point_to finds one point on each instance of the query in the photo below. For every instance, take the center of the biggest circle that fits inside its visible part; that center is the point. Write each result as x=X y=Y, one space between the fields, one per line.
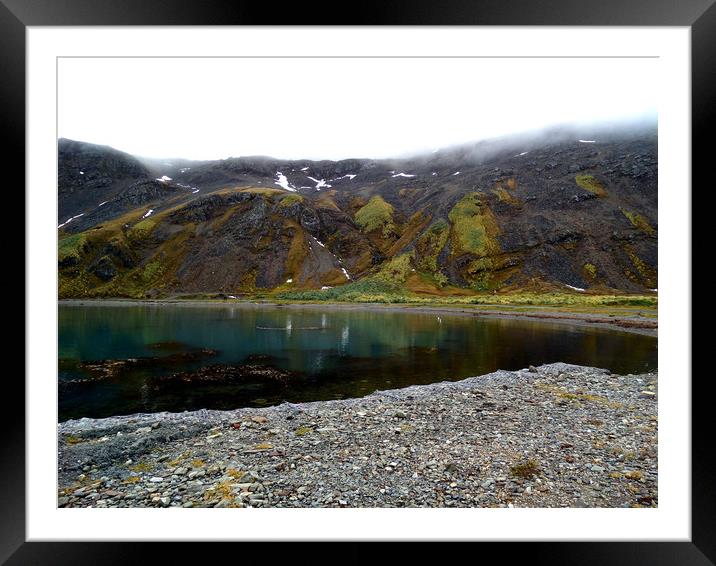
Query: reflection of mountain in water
x=276 y=354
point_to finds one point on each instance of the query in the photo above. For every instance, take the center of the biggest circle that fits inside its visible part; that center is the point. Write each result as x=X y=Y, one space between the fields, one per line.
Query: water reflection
x=345 y=336
x=336 y=353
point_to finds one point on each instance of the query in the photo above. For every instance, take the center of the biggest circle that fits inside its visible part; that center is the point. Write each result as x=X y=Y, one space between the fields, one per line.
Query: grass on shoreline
x=375 y=291
x=381 y=291
x=645 y=305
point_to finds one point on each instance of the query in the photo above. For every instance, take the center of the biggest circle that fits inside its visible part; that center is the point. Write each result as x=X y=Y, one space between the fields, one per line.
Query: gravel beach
x=554 y=436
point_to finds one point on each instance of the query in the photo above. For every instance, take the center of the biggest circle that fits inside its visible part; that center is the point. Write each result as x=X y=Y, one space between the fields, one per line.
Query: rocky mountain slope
x=563 y=210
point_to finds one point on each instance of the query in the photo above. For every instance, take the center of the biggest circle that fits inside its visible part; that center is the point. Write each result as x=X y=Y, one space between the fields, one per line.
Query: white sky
x=336 y=108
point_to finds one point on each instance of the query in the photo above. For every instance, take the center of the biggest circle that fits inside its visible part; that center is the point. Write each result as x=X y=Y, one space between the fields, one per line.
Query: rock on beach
x=557 y=435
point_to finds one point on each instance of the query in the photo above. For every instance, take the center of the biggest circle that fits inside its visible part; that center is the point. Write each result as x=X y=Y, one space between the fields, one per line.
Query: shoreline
x=558 y=435
x=636 y=324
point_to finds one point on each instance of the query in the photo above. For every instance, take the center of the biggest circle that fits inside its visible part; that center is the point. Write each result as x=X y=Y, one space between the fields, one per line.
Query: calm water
x=335 y=353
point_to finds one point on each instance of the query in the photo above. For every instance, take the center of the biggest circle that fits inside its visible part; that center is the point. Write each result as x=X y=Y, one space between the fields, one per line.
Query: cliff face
x=541 y=213
x=87 y=172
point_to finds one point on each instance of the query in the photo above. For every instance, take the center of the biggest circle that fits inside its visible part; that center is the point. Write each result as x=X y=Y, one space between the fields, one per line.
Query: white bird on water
x=440 y=320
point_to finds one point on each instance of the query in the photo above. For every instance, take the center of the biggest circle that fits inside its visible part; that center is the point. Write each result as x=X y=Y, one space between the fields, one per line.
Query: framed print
x=394 y=279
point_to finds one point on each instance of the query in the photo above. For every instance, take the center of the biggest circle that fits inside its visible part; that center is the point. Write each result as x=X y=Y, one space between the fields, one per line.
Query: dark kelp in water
x=98 y=370
x=223 y=373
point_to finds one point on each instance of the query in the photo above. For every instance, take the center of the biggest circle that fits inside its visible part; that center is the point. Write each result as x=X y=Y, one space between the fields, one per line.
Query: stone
x=449 y=456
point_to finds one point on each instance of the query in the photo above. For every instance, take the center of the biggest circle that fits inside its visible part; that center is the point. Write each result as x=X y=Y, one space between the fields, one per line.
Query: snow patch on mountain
x=69 y=220
x=320 y=183
x=282 y=181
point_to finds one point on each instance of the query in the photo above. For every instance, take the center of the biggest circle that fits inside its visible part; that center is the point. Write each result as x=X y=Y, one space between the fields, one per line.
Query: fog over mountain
x=325 y=108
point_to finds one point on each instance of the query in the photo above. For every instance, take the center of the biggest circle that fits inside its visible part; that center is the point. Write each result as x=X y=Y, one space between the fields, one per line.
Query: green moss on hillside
x=590 y=269
x=297 y=252
x=152 y=270
x=480 y=273
x=69 y=287
x=268 y=192
x=474 y=229
x=133 y=280
x=70 y=248
x=430 y=244
x=141 y=229
x=646 y=274
x=589 y=183
x=397 y=270
x=376 y=214
x=288 y=200
x=505 y=196
x=639 y=222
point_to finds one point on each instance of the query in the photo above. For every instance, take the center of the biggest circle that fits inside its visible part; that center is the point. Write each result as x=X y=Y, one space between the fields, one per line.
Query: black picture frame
x=17 y=15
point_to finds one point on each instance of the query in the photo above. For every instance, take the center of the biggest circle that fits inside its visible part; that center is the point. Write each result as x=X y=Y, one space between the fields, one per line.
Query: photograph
x=357 y=282
x=426 y=277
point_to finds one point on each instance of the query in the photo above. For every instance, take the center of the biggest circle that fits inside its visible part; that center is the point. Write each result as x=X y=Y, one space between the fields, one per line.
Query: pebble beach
x=557 y=435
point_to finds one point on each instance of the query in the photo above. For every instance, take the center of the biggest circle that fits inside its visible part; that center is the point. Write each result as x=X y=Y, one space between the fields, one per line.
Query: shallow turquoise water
x=335 y=353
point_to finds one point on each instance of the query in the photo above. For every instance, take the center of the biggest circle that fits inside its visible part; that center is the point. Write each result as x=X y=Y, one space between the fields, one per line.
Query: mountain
x=88 y=172
x=561 y=209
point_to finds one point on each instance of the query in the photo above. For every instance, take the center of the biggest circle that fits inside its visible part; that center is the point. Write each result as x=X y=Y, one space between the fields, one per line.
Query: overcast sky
x=336 y=108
